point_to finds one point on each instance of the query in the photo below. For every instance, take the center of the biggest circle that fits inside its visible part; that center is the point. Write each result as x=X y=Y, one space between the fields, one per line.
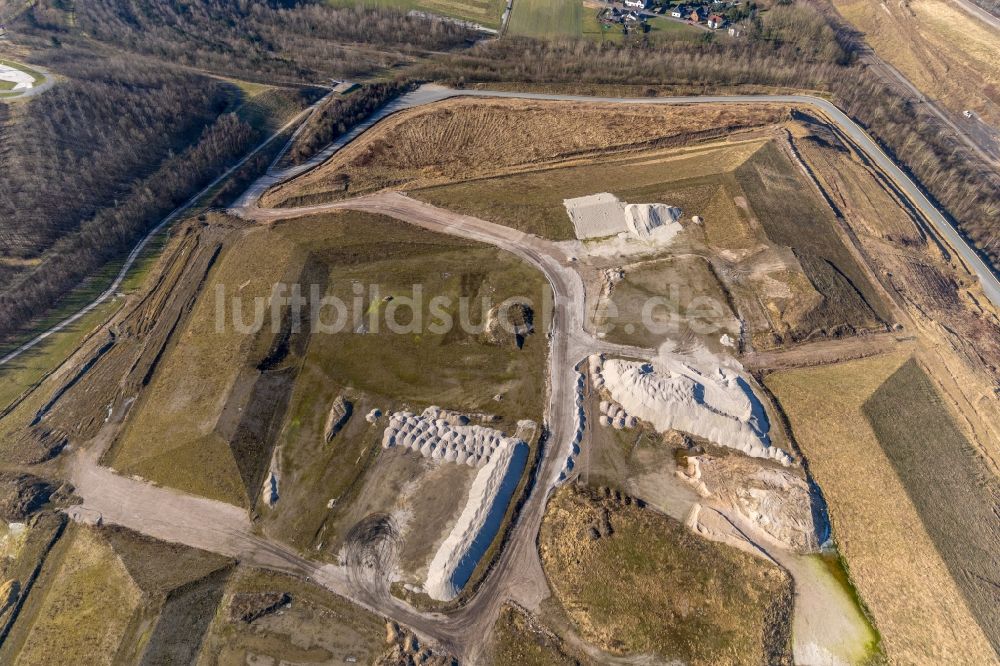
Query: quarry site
x=705 y=364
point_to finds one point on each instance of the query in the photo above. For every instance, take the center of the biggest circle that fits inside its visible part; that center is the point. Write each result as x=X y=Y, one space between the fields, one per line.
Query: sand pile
x=715 y=403
x=653 y=222
x=603 y=215
x=446 y=436
x=340 y=412
x=437 y=437
x=596 y=215
x=614 y=416
x=478 y=523
x=778 y=501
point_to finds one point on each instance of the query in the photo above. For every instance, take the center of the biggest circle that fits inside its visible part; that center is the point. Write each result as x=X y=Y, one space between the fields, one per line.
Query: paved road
x=47 y=82
x=431 y=93
x=173 y=516
x=977 y=136
x=991 y=285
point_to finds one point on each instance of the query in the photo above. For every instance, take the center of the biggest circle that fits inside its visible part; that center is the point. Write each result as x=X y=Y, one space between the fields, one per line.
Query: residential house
x=715 y=21
x=696 y=15
x=678 y=11
x=635 y=4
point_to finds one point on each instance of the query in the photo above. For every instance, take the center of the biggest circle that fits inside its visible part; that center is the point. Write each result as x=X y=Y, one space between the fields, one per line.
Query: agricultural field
x=859 y=439
x=647 y=585
x=546 y=18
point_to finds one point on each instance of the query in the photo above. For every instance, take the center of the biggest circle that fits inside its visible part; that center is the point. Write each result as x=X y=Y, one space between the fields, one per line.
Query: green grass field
x=546 y=18
x=484 y=12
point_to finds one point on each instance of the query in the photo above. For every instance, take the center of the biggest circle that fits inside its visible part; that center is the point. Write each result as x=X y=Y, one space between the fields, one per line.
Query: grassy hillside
x=635 y=582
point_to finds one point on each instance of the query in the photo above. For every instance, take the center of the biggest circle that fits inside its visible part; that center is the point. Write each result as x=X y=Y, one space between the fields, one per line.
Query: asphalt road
x=979 y=13
x=430 y=93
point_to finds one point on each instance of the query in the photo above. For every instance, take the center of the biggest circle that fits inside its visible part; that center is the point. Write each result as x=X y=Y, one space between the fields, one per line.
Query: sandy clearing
x=21 y=80
x=596 y=215
x=603 y=215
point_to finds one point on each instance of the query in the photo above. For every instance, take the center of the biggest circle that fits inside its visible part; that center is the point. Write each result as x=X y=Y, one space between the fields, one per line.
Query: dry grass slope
x=893 y=562
x=463 y=139
x=954 y=492
x=648 y=585
x=88 y=603
x=949 y=55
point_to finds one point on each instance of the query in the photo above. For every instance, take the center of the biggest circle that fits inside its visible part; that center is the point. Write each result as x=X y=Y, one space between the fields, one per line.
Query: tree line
x=301 y=41
x=336 y=115
x=90 y=165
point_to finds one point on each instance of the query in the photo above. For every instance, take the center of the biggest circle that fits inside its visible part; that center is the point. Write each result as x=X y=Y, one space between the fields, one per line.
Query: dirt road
x=432 y=93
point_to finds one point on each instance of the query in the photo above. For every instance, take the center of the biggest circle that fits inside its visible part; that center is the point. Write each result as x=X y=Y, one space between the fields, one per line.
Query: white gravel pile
x=614 y=416
x=603 y=215
x=435 y=437
x=478 y=523
x=714 y=403
x=596 y=215
x=657 y=223
x=446 y=436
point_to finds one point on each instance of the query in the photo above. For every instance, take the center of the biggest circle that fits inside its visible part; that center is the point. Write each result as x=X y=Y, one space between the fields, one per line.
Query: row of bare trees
x=94 y=162
x=338 y=114
x=303 y=40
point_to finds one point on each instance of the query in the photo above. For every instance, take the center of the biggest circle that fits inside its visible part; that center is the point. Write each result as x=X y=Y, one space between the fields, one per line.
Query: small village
x=634 y=15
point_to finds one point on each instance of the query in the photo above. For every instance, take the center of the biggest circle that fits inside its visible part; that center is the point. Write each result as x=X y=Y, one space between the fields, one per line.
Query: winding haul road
x=517 y=575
